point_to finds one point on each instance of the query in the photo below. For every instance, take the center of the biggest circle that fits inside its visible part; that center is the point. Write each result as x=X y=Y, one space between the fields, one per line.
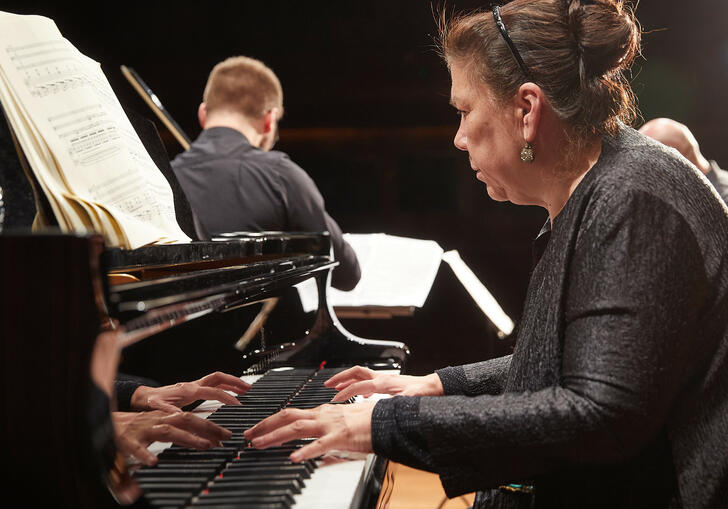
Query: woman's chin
x=496 y=193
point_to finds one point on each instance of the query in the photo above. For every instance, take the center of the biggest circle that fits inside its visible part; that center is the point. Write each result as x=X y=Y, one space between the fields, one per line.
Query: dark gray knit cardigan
x=616 y=395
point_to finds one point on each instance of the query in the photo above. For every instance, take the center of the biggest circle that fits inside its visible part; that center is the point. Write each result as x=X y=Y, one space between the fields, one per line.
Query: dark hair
x=576 y=50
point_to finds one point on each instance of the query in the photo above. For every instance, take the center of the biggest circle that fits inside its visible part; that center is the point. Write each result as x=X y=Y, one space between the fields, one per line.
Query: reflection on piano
x=235 y=472
x=59 y=289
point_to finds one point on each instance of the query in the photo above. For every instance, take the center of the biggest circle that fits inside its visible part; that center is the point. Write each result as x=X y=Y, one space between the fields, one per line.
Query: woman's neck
x=568 y=174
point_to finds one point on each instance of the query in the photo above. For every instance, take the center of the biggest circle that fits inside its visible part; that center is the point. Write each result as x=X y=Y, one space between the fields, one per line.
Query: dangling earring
x=527 y=154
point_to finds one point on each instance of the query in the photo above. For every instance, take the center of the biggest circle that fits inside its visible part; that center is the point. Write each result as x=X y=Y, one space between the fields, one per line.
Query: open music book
x=81 y=148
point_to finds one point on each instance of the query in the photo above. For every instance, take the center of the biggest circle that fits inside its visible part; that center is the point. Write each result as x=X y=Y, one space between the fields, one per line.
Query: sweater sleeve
x=487 y=377
x=125 y=385
x=624 y=356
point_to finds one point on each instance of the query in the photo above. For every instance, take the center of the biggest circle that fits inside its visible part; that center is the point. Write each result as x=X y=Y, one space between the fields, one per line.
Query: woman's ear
x=529 y=103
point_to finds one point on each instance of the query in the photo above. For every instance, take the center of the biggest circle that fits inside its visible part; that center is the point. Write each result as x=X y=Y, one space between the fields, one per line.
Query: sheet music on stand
x=397 y=276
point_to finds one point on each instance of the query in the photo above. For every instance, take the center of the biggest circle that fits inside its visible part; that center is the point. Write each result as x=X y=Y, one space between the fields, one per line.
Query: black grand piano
x=181 y=308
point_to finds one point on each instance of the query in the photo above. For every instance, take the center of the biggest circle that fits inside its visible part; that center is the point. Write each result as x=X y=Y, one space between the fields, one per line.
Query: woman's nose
x=461 y=141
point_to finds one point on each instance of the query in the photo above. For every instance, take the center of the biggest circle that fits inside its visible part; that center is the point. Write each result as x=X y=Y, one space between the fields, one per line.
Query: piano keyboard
x=236 y=475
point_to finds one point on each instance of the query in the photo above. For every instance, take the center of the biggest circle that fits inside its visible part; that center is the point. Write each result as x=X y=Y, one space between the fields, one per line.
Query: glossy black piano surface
x=183 y=306
x=66 y=278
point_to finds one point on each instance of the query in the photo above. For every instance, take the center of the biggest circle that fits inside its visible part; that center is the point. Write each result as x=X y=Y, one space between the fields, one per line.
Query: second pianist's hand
x=135 y=431
x=171 y=398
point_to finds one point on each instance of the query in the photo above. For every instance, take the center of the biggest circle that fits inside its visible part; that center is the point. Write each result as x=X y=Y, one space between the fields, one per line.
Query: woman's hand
x=365 y=382
x=337 y=427
x=171 y=398
x=136 y=430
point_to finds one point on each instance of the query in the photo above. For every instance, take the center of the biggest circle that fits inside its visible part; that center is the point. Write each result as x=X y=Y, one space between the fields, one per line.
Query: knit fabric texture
x=616 y=394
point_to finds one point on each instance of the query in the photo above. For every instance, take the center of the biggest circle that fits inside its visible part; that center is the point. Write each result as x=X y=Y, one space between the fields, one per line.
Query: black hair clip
x=502 y=27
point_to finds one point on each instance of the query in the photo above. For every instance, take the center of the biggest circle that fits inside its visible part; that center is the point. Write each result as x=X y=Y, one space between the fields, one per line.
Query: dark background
x=366 y=100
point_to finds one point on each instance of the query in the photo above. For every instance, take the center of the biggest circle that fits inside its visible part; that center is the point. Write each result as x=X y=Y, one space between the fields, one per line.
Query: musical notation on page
x=82 y=144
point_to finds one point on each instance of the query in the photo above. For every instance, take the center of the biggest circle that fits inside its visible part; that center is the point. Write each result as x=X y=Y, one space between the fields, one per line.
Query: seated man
x=232 y=179
x=678 y=136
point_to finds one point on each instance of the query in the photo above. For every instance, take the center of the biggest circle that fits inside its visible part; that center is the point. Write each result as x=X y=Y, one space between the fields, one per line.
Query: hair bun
x=606 y=34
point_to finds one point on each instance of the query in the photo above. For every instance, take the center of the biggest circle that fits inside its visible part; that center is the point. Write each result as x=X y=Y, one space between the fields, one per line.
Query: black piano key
x=224 y=486
x=191 y=454
x=250 y=453
x=246 y=495
x=172 y=472
x=241 y=470
x=233 y=442
x=168 y=497
x=167 y=503
x=175 y=462
x=176 y=480
x=192 y=488
x=241 y=484
x=233 y=504
x=243 y=463
x=233 y=477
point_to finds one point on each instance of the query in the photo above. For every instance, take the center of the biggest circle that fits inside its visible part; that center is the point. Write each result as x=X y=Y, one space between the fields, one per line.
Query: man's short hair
x=243 y=85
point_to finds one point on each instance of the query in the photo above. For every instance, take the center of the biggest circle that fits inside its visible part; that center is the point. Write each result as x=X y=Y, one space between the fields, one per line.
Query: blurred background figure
x=678 y=136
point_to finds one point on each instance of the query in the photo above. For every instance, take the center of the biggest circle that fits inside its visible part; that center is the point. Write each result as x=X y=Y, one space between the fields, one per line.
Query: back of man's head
x=243 y=85
x=676 y=135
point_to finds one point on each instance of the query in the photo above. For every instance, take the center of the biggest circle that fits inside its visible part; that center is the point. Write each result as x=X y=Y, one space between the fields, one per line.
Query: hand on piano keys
x=135 y=431
x=171 y=398
x=339 y=427
x=361 y=381
x=336 y=427
x=240 y=475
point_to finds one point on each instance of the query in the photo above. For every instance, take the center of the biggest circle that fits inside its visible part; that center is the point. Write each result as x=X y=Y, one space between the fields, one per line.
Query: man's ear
x=202 y=114
x=529 y=108
x=270 y=119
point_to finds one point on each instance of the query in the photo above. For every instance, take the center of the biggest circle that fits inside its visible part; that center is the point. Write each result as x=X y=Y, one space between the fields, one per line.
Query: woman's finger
x=201 y=427
x=314 y=449
x=231 y=388
x=302 y=428
x=365 y=388
x=275 y=421
x=140 y=452
x=219 y=378
x=216 y=394
x=159 y=404
x=355 y=374
x=166 y=432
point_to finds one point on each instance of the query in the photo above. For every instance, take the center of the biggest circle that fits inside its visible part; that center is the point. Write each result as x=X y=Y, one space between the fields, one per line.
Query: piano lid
x=225 y=250
x=170 y=284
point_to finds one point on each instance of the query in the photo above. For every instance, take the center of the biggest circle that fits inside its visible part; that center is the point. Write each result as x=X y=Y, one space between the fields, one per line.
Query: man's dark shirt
x=233 y=186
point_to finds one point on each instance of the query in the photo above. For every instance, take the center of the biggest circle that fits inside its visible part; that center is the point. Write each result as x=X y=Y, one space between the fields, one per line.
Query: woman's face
x=489 y=133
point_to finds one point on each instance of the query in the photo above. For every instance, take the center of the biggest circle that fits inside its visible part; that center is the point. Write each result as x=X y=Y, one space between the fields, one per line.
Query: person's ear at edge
x=202 y=114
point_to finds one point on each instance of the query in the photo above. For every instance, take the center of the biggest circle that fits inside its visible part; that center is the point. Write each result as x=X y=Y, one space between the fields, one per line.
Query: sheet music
x=395 y=271
x=92 y=155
